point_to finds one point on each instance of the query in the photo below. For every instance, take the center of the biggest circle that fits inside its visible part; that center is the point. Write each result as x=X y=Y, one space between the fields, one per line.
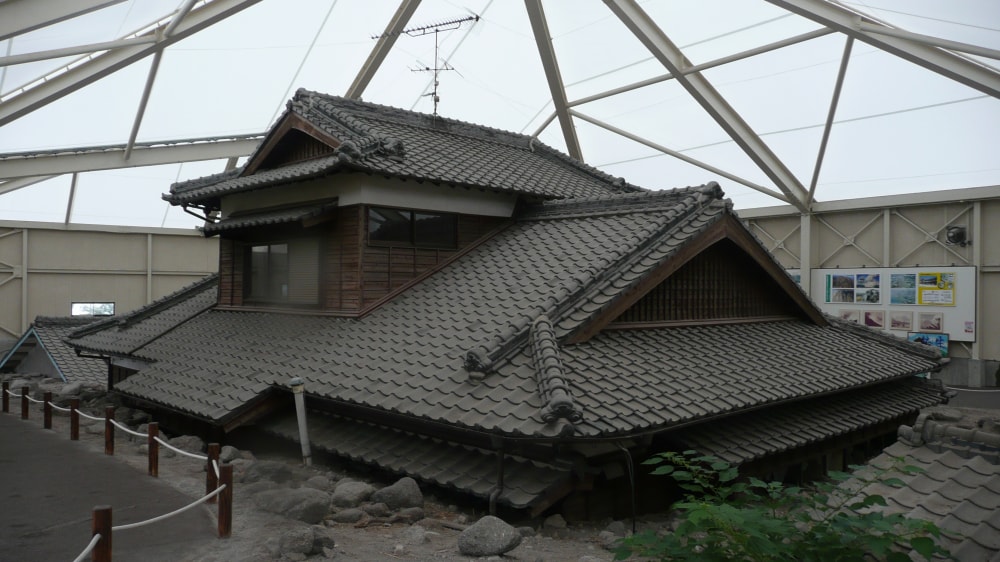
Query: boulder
x=302 y=504
x=349 y=515
x=351 y=493
x=322 y=540
x=409 y=514
x=274 y=471
x=490 y=536
x=376 y=509
x=71 y=389
x=296 y=541
x=228 y=453
x=554 y=522
x=318 y=482
x=404 y=493
x=188 y=444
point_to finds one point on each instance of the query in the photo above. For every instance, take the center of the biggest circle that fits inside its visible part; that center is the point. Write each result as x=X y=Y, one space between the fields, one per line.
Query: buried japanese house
x=481 y=312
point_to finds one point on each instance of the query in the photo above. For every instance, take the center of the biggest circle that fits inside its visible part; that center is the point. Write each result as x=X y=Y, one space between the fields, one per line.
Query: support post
x=101 y=525
x=211 y=480
x=47 y=410
x=152 y=431
x=74 y=419
x=24 y=402
x=109 y=431
x=6 y=397
x=298 y=390
x=226 y=501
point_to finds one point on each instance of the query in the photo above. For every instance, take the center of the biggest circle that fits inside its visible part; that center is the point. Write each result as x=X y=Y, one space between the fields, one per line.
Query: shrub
x=725 y=518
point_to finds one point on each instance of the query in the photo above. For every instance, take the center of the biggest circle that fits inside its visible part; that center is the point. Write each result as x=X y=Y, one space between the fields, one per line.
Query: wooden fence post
x=24 y=402
x=226 y=501
x=74 y=419
x=6 y=397
x=211 y=480
x=102 y=526
x=109 y=431
x=152 y=431
x=47 y=410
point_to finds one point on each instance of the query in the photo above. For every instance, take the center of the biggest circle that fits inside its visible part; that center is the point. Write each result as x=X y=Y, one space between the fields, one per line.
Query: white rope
x=90 y=547
x=32 y=399
x=127 y=430
x=172 y=513
x=54 y=407
x=89 y=417
x=215 y=466
x=178 y=451
x=10 y=393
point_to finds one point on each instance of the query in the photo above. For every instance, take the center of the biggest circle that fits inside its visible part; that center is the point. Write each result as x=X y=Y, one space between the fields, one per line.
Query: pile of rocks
x=316 y=502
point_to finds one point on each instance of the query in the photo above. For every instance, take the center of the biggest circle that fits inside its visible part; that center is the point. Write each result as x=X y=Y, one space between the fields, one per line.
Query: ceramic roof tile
x=392 y=142
x=465 y=468
x=805 y=422
x=962 y=496
x=48 y=332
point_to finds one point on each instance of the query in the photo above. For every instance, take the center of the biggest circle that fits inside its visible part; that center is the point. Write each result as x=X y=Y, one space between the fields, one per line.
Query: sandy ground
x=255 y=533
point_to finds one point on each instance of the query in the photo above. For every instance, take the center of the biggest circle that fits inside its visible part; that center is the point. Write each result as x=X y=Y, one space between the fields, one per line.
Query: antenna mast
x=439 y=65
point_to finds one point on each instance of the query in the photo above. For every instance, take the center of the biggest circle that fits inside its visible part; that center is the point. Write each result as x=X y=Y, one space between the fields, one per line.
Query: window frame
x=91 y=304
x=412 y=241
x=287 y=300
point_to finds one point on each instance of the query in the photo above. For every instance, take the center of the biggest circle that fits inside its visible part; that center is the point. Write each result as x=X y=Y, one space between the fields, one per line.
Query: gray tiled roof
x=49 y=332
x=277 y=216
x=809 y=421
x=960 y=494
x=124 y=335
x=449 y=465
x=407 y=357
x=393 y=142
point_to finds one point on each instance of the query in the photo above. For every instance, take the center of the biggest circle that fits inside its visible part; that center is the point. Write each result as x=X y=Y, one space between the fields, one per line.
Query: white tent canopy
x=104 y=103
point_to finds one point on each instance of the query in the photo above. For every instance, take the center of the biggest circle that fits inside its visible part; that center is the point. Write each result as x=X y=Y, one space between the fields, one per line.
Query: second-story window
x=286 y=272
x=412 y=228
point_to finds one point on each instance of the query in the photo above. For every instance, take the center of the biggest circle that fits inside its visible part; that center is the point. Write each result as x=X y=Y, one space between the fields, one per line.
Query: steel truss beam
x=671 y=57
x=945 y=63
x=382 y=48
x=109 y=158
x=543 y=39
x=21 y=16
x=57 y=86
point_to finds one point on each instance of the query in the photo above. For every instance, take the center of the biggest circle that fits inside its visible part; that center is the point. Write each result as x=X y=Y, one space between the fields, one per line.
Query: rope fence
x=218 y=479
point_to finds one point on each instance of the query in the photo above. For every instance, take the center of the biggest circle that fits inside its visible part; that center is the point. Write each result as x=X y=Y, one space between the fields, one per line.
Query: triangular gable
x=293 y=139
x=701 y=253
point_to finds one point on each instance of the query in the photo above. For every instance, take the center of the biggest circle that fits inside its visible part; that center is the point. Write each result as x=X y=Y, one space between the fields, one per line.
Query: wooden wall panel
x=722 y=283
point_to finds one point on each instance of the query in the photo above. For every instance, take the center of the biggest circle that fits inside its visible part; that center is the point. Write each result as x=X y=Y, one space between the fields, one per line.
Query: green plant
x=724 y=518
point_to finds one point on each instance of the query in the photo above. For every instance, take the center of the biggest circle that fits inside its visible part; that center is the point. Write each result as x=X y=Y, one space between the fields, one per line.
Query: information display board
x=928 y=304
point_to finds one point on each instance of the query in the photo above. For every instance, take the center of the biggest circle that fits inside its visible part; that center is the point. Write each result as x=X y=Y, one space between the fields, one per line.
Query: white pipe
x=298 y=387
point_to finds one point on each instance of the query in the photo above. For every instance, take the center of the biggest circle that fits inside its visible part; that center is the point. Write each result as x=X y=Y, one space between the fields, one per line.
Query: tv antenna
x=439 y=65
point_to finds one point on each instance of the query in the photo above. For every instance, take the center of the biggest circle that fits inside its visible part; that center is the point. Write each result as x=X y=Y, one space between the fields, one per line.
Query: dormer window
x=403 y=227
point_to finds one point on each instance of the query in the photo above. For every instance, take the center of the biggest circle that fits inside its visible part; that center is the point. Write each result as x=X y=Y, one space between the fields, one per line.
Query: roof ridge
x=81 y=320
x=550 y=375
x=484 y=358
x=617 y=203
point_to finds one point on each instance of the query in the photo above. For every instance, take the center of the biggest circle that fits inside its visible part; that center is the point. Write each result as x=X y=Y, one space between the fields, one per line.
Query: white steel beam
x=72 y=198
x=671 y=57
x=707 y=65
x=15 y=184
x=831 y=114
x=954 y=66
x=57 y=85
x=74 y=50
x=382 y=48
x=931 y=40
x=109 y=158
x=22 y=16
x=154 y=67
x=679 y=155
x=543 y=39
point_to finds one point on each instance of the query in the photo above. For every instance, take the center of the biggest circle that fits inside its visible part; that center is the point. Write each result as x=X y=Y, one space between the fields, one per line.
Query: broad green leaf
x=923 y=545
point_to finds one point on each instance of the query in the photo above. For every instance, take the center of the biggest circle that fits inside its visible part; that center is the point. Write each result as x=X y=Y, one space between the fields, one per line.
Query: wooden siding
x=721 y=283
x=353 y=274
x=296 y=146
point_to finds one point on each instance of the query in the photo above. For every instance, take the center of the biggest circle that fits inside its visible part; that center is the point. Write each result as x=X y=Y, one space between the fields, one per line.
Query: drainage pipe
x=298 y=388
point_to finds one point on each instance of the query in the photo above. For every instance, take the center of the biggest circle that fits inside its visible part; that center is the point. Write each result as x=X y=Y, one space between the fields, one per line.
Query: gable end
x=770 y=279
x=293 y=140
